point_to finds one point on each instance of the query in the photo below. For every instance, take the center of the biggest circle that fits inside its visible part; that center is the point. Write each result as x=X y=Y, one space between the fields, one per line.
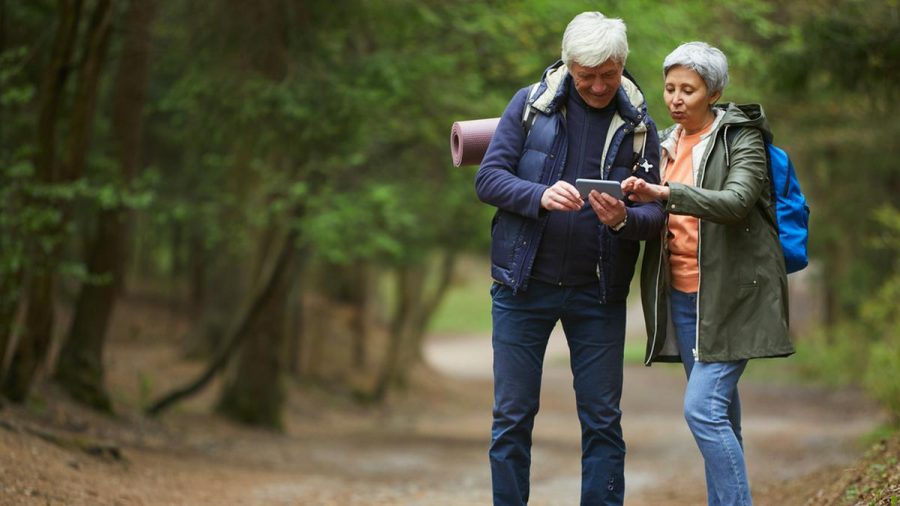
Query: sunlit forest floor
x=425 y=447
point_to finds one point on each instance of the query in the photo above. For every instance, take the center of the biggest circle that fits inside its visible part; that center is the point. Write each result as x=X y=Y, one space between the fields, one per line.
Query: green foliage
x=372 y=223
x=881 y=314
x=18 y=218
x=837 y=68
x=864 y=351
x=833 y=356
x=875 y=478
x=357 y=112
x=14 y=92
x=882 y=378
x=852 y=46
x=33 y=213
x=828 y=75
x=333 y=118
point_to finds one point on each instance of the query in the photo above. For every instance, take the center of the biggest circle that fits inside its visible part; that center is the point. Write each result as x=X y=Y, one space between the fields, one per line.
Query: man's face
x=597 y=85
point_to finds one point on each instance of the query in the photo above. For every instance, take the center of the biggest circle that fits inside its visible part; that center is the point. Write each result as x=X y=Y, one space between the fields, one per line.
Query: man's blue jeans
x=596 y=335
x=712 y=409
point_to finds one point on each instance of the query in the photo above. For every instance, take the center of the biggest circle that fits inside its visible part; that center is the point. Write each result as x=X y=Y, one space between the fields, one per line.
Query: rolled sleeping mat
x=469 y=140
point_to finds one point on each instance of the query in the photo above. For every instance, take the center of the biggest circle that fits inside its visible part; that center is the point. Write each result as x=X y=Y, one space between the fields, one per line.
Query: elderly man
x=555 y=258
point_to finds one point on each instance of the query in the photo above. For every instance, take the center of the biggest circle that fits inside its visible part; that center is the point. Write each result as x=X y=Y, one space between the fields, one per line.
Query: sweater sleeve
x=497 y=182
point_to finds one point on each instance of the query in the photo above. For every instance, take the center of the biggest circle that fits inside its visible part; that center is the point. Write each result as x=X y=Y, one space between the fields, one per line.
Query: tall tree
x=267 y=167
x=16 y=137
x=254 y=391
x=80 y=367
x=414 y=307
x=32 y=348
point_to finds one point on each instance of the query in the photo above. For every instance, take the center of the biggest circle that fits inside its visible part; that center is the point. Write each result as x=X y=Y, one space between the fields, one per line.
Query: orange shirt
x=683 y=230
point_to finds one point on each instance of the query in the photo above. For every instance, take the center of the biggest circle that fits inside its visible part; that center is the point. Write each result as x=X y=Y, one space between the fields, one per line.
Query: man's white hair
x=592 y=38
x=709 y=62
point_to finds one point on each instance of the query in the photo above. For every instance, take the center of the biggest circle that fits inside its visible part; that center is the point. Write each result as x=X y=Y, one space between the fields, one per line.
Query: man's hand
x=562 y=196
x=611 y=211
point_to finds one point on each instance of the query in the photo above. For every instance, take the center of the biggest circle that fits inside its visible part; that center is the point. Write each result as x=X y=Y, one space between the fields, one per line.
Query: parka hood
x=728 y=115
x=742 y=115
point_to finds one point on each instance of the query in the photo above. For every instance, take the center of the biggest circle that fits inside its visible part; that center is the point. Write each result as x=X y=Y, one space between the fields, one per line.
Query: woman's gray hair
x=592 y=38
x=709 y=62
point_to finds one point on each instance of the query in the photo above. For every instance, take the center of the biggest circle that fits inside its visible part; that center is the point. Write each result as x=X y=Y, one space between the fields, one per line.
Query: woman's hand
x=639 y=190
x=562 y=196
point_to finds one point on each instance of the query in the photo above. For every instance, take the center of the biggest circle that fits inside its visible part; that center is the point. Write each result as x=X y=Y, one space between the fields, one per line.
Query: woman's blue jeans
x=712 y=409
x=596 y=336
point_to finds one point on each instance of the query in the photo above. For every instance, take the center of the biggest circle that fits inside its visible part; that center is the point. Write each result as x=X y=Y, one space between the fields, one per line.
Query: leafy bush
x=865 y=351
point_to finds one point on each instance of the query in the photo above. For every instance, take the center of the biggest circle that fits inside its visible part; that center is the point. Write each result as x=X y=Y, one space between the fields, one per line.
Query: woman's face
x=688 y=99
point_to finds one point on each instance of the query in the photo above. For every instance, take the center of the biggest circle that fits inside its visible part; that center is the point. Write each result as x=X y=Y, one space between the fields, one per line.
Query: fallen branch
x=237 y=335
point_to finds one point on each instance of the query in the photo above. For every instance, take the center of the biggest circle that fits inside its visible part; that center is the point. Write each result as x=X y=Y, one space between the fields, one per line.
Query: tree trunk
x=197 y=264
x=9 y=305
x=253 y=392
x=52 y=87
x=80 y=367
x=347 y=286
x=414 y=310
x=96 y=43
x=430 y=305
x=39 y=318
x=296 y=319
x=360 y=300
x=40 y=282
x=224 y=294
x=239 y=331
x=410 y=282
x=35 y=340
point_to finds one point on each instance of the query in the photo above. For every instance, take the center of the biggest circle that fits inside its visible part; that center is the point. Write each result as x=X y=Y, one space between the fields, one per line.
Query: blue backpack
x=791 y=210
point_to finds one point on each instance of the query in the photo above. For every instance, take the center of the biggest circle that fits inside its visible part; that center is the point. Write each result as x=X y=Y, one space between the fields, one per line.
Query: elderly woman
x=717 y=272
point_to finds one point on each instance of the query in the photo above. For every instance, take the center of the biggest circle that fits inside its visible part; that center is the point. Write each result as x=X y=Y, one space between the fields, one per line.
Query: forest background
x=278 y=172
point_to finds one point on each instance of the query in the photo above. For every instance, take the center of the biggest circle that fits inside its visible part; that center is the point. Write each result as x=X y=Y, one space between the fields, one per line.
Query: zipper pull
x=696 y=355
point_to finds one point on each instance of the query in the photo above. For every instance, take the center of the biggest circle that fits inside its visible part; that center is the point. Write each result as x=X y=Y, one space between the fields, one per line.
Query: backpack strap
x=639 y=146
x=730 y=133
x=729 y=140
x=529 y=113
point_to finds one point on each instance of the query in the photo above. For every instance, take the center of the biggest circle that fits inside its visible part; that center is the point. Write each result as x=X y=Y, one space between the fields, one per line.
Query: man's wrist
x=621 y=224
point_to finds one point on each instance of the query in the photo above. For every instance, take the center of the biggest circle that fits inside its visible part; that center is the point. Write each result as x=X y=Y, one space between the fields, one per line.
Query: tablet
x=613 y=188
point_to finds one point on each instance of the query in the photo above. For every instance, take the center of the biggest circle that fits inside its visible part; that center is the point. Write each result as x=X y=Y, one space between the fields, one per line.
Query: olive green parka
x=742 y=303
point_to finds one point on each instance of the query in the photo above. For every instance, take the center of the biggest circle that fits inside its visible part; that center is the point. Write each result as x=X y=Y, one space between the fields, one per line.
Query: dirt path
x=424 y=450
x=789 y=430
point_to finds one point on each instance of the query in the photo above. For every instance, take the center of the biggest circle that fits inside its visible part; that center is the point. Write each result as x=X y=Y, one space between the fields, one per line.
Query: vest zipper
x=531 y=250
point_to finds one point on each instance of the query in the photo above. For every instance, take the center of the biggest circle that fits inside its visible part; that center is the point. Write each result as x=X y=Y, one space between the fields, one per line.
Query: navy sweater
x=569 y=247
